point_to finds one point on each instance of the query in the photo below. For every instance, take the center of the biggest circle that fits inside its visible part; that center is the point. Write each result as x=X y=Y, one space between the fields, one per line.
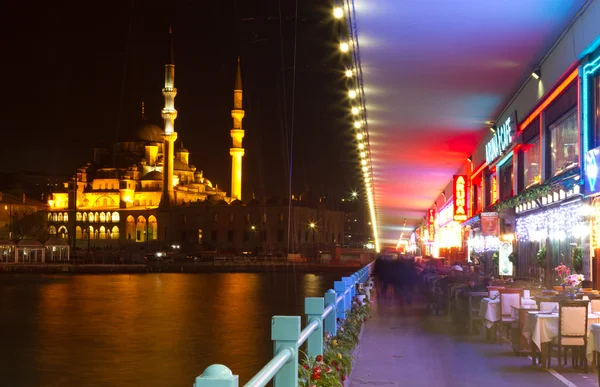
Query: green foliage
x=332 y=368
x=577 y=260
x=528 y=195
x=514 y=258
x=541 y=257
x=496 y=259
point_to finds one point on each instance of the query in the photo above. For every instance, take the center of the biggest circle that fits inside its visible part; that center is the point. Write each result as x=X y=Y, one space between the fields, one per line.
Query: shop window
x=506 y=180
x=531 y=163
x=564 y=144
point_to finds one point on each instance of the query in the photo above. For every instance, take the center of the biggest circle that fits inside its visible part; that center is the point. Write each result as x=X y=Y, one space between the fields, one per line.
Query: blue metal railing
x=321 y=316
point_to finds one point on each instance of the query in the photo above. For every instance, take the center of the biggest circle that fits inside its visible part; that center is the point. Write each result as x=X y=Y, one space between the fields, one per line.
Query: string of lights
x=348 y=46
x=557 y=223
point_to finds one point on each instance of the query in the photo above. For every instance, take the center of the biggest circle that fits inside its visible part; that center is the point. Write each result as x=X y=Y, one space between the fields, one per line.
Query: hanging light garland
x=558 y=223
x=343 y=11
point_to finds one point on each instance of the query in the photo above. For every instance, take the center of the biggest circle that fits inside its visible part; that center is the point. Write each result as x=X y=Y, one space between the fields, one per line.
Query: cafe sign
x=431 y=224
x=504 y=137
x=460 y=197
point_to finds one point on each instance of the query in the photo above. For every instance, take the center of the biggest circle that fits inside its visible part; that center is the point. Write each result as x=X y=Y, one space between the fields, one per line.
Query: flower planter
x=355 y=355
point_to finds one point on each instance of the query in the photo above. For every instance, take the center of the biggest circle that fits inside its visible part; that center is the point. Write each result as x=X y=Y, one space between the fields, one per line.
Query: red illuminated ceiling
x=434 y=72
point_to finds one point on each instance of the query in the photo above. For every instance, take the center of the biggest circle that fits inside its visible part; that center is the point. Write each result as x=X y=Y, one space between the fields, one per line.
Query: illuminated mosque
x=126 y=191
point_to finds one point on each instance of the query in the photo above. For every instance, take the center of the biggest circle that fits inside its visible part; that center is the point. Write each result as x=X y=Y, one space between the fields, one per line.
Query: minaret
x=237 y=134
x=169 y=114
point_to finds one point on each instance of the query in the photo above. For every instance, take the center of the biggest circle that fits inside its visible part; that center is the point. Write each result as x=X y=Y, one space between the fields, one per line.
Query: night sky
x=76 y=74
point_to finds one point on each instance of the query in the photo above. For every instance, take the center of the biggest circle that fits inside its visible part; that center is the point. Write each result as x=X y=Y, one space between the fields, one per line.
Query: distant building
x=21 y=217
x=260 y=227
x=143 y=192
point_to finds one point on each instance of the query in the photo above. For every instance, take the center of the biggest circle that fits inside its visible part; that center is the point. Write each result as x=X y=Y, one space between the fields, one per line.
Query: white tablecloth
x=542 y=328
x=593 y=341
x=489 y=310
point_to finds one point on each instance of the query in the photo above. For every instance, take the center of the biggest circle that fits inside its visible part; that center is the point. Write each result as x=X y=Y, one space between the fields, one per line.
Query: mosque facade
x=144 y=193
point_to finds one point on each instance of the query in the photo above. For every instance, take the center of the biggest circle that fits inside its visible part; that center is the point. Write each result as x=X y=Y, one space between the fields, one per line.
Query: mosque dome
x=149 y=132
x=154 y=175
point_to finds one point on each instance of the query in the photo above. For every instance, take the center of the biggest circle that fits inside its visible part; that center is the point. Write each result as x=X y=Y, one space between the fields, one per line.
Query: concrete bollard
x=217 y=375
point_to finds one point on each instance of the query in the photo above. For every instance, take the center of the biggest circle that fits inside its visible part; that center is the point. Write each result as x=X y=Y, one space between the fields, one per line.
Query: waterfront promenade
x=405 y=345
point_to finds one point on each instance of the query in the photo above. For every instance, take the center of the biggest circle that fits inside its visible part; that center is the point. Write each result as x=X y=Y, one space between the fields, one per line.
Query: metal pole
x=147 y=221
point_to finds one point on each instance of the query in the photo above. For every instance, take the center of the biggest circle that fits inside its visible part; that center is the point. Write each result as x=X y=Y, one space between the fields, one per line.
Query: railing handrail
x=307 y=331
x=288 y=337
x=269 y=371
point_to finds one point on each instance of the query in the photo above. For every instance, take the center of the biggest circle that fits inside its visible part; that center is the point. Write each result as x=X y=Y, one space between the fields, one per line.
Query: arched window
x=96 y=217
x=66 y=216
x=199 y=235
x=102 y=217
x=52 y=230
x=115 y=217
x=62 y=232
x=152 y=229
x=115 y=233
x=78 y=234
x=130 y=228
x=49 y=217
x=140 y=229
x=78 y=217
x=55 y=217
x=91 y=217
x=60 y=217
x=102 y=232
x=91 y=234
x=85 y=217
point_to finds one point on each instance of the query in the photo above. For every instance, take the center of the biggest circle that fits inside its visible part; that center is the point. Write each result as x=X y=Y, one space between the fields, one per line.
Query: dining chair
x=509 y=297
x=572 y=331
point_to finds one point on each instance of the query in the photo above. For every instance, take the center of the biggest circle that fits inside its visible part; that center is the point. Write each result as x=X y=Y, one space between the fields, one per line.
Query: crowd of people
x=396 y=276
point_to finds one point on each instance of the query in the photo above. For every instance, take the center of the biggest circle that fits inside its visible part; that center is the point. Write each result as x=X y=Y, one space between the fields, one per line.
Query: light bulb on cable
x=355 y=111
x=357 y=124
x=361 y=146
x=352 y=94
x=349 y=73
x=359 y=136
x=363 y=155
x=344 y=46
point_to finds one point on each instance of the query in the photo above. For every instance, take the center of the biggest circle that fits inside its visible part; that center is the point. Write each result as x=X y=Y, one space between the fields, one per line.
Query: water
x=142 y=330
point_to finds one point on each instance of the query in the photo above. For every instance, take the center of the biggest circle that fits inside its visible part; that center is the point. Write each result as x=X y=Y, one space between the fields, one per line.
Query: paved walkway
x=405 y=346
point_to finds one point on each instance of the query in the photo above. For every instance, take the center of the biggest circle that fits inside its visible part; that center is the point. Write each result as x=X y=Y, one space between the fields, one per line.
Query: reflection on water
x=151 y=330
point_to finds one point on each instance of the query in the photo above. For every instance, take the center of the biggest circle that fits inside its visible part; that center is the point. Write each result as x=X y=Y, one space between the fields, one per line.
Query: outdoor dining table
x=489 y=311
x=542 y=327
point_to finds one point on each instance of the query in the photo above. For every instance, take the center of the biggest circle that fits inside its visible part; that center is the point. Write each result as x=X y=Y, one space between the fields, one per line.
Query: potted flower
x=573 y=283
x=563 y=272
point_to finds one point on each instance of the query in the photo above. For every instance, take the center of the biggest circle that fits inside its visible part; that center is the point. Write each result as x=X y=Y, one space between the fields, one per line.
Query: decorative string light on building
x=481 y=244
x=349 y=47
x=556 y=223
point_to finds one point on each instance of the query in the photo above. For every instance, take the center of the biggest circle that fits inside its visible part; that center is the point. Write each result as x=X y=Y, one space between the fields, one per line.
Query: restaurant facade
x=532 y=187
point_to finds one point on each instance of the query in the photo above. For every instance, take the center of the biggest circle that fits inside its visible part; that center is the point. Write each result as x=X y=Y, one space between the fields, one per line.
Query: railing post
x=285 y=332
x=330 y=322
x=217 y=375
x=349 y=295
x=340 y=289
x=314 y=308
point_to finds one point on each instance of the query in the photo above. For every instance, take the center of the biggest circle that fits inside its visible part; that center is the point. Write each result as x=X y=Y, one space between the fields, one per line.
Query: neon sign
x=431 y=224
x=592 y=160
x=501 y=140
x=460 y=198
x=494 y=189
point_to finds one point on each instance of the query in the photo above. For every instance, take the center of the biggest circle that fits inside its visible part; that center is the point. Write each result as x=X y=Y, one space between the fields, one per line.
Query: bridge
x=477 y=130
